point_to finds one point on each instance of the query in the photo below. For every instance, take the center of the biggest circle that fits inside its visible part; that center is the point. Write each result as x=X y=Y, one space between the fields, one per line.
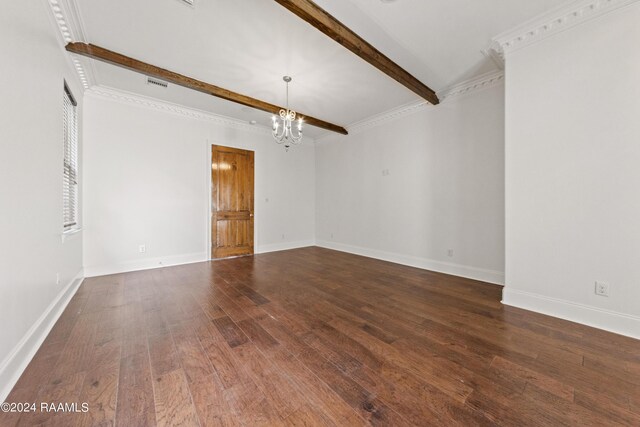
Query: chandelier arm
x=279 y=138
x=297 y=136
x=296 y=139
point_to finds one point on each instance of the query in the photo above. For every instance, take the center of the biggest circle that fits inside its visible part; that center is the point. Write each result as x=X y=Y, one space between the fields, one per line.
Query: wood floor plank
x=258 y=336
x=193 y=358
x=173 y=403
x=24 y=394
x=231 y=309
x=309 y=416
x=280 y=392
x=361 y=400
x=210 y=403
x=163 y=354
x=100 y=393
x=317 y=392
x=65 y=389
x=230 y=331
x=261 y=414
x=542 y=381
x=563 y=412
x=39 y=370
x=608 y=409
x=634 y=401
x=243 y=396
x=135 y=392
x=222 y=360
x=378 y=333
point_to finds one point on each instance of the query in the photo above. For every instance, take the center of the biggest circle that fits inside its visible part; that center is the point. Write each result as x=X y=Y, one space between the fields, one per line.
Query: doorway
x=232 y=187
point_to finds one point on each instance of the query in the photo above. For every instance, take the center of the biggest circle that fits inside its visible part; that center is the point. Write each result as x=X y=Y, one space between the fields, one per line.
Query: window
x=70 y=162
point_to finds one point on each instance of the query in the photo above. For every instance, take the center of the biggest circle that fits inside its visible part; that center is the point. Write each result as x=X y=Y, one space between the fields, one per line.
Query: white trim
x=484 y=275
x=75 y=19
x=66 y=32
x=494 y=56
x=387 y=116
x=118 y=95
x=173 y=260
x=209 y=196
x=619 y=323
x=17 y=361
x=475 y=84
x=275 y=247
x=466 y=87
x=560 y=19
x=145 y=264
x=67 y=18
x=67 y=234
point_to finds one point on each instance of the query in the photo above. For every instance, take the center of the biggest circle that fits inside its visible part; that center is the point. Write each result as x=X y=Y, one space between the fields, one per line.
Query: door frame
x=209 y=143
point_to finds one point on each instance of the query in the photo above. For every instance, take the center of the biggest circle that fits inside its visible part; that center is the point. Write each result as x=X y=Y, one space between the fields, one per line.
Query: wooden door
x=232 y=202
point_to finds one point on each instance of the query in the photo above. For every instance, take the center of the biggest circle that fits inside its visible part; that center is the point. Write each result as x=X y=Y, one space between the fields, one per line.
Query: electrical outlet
x=385 y=172
x=450 y=253
x=142 y=249
x=602 y=289
x=57 y=278
x=332 y=235
x=283 y=237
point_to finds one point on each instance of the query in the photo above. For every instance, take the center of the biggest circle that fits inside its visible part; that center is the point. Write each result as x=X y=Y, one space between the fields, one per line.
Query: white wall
x=147 y=177
x=444 y=190
x=573 y=173
x=31 y=249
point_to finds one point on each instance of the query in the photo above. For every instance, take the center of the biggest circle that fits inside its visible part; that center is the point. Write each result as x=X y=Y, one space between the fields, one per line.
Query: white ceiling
x=248 y=45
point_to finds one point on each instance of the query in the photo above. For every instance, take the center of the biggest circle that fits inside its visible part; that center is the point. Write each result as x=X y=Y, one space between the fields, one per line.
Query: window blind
x=70 y=162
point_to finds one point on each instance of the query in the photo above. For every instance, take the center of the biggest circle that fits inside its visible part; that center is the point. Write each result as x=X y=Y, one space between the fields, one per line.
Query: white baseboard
x=262 y=249
x=16 y=362
x=172 y=260
x=144 y=264
x=619 y=323
x=475 y=273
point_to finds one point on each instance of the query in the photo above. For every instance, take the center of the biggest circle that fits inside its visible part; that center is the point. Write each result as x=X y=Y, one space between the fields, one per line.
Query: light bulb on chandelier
x=282 y=127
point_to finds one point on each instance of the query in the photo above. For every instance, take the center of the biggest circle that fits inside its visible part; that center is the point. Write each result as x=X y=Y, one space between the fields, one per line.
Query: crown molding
x=494 y=56
x=466 y=87
x=112 y=94
x=70 y=28
x=387 y=116
x=472 y=85
x=58 y=10
x=560 y=19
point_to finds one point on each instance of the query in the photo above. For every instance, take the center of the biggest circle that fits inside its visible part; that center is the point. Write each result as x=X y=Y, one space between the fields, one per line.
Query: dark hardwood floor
x=317 y=337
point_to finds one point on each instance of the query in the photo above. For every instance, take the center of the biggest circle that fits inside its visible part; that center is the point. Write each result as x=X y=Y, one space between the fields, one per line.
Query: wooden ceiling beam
x=105 y=55
x=326 y=23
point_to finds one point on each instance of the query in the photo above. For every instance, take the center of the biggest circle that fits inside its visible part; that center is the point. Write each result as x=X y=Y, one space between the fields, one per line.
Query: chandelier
x=282 y=130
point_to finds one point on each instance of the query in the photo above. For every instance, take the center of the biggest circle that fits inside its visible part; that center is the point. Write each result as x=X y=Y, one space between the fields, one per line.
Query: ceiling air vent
x=154 y=82
x=189 y=2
